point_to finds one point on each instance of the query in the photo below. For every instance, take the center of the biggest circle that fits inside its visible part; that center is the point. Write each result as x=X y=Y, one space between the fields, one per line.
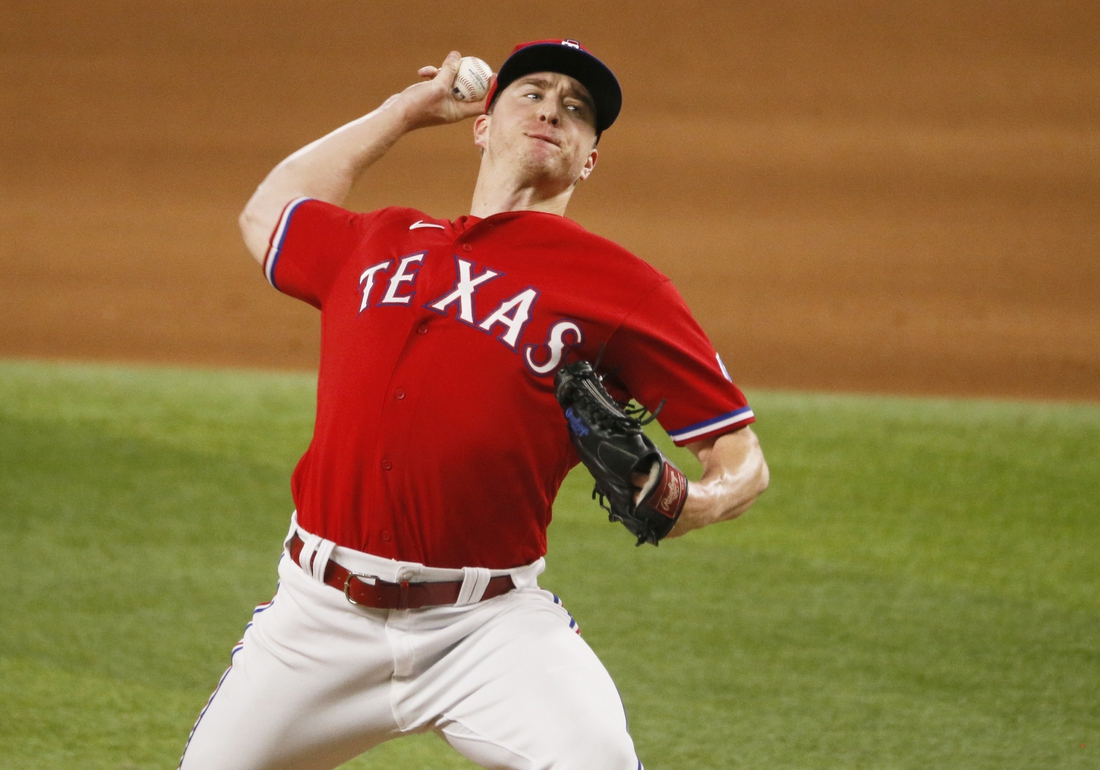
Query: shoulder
x=614 y=251
x=575 y=244
x=390 y=215
x=396 y=218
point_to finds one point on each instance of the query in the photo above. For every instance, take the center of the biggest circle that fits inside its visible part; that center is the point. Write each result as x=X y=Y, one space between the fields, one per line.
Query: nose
x=548 y=112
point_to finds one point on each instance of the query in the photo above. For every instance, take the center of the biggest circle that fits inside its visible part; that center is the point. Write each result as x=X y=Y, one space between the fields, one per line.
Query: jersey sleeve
x=660 y=353
x=309 y=246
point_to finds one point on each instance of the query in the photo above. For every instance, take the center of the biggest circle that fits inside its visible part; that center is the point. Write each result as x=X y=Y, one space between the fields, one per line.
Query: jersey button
x=422 y=329
x=387 y=465
x=386 y=536
x=467 y=248
x=399 y=394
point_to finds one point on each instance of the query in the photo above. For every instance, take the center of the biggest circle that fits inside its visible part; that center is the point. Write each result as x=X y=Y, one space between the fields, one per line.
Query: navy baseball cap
x=569 y=58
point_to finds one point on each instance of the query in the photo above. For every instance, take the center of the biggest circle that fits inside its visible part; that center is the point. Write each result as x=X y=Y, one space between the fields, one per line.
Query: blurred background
x=857 y=196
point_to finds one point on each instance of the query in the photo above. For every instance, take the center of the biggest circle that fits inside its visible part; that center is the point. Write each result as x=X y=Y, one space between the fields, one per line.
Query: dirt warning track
x=891 y=197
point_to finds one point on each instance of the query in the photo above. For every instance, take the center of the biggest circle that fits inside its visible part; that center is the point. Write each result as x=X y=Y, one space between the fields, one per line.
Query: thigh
x=529 y=693
x=308 y=686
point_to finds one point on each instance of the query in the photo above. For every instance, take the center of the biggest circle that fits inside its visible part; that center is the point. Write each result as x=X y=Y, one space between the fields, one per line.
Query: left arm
x=734 y=475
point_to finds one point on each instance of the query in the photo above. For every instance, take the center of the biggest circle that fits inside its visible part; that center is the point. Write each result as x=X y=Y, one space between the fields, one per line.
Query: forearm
x=734 y=475
x=325 y=169
x=328 y=168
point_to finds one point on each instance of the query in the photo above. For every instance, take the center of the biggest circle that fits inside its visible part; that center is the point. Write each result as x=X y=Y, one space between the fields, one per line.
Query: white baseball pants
x=317 y=681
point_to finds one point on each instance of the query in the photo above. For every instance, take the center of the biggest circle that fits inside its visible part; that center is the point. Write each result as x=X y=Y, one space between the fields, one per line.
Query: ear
x=589 y=164
x=481 y=130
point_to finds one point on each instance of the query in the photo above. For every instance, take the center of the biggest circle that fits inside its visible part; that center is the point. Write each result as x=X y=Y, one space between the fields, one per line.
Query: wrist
x=398 y=110
x=697 y=511
x=666 y=490
x=420 y=106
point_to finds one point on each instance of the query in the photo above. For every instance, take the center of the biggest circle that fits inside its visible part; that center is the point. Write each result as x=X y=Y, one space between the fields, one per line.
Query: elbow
x=245 y=220
x=758 y=476
x=254 y=230
x=763 y=474
x=763 y=477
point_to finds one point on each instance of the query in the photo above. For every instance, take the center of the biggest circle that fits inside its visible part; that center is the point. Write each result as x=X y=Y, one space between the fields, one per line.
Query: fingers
x=449 y=64
x=432 y=102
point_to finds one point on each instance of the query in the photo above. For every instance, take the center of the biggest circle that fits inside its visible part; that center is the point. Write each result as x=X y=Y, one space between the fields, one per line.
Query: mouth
x=544 y=138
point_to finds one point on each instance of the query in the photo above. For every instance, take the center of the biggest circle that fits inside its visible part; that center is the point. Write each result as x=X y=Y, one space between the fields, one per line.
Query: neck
x=493 y=195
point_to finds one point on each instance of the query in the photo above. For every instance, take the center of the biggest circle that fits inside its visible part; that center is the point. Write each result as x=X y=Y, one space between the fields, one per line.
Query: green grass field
x=920 y=588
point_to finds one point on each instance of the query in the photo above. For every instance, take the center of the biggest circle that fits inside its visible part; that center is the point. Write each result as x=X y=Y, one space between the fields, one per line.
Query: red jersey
x=438 y=438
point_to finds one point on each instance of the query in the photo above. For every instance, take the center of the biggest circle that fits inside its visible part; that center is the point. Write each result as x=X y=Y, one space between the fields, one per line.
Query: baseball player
x=408 y=596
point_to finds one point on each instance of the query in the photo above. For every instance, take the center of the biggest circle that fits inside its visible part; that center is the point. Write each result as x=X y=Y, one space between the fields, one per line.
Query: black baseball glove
x=609 y=439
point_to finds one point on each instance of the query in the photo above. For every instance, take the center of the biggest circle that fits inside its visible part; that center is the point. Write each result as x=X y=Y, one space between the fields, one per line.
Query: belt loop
x=474 y=582
x=320 y=560
x=309 y=547
x=403 y=595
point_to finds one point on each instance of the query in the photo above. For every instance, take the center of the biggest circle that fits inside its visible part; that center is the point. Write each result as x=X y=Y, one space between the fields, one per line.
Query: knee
x=599 y=750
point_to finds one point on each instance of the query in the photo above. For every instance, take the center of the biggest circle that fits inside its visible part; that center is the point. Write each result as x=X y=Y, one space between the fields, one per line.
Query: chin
x=551 y=170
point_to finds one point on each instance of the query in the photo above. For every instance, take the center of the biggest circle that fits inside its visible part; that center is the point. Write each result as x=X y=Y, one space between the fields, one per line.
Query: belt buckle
x=403 y=588
x=362 y=577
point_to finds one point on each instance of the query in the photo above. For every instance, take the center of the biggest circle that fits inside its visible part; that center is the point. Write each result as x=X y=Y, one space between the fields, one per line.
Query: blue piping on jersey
x=277 y=241
x=722 y=421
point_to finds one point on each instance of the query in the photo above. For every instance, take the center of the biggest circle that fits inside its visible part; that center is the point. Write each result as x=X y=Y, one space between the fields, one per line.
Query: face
x=543 y=126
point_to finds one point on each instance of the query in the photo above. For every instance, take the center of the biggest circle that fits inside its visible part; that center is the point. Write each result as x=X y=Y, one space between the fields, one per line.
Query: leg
x=308 y=687
x=525 y=692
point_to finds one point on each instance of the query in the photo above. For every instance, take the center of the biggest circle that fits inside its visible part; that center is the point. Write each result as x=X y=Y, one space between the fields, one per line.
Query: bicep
x=661 y=355
x=727 y=453
x=311 y=243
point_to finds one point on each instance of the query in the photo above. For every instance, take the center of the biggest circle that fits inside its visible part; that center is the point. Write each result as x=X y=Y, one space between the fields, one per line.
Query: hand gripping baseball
x=432 y=102
x=611 y=444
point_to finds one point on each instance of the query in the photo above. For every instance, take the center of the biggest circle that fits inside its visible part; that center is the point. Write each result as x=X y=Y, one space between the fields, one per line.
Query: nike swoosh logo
x=421 y=223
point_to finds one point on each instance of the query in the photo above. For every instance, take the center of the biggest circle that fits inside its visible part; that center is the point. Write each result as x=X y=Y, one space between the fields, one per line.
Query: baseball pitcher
x=466 y=366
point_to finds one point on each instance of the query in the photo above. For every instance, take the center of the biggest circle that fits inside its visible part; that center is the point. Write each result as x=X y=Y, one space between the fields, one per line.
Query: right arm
x=327 y=168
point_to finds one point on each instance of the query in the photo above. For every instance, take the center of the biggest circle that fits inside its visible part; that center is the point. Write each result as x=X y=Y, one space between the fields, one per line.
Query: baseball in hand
x=472 y=80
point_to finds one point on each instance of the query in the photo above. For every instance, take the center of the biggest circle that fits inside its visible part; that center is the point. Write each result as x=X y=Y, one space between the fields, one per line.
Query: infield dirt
x=858 y=196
